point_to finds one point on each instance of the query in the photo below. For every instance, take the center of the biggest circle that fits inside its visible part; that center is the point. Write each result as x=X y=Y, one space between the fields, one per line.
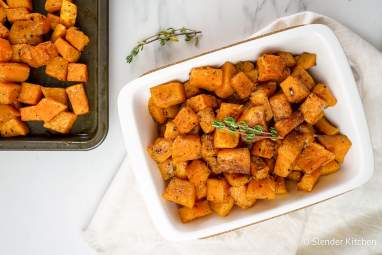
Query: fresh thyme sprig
x=165 y=36
x=248 y=133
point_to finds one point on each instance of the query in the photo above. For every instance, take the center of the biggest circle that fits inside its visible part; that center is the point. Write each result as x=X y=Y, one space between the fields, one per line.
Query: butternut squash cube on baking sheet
x=302 y=75
x=224 y=208
x=9 y=92
x=15 y=14
x=280 y=106
x=160 y=150
x=229 y=110
x=313 y=157
x=186 y=120
x=325 y=94
x=225 y=139
x=53 y=20
x=14 y=72
x=324 y=126
x=206 y=118
x=6 y=51
x=313 y=108
x=28 y=31
x=306 y=60
x=168 y=94
x=53 y=5
x=39 y=55
x=4 y=31
x=7 y=112
x=16 y=51
x=66 y=50
x=289 y=150
x=181 y=192
x=338 y=144
x=62 y=123
x=286 y=125
x=200 y=209
x=68 y=14
x=242 y=85
x=58 y=32
x=30 y=93
x=226 y=90
x=197 y=173
x=261 y=189
x=78 y=99
x=239 y=195
x=30 y=113
x=271 y=67
x=217 y=190
x=264 y=148
x=20 y=4
x=294 y=89
x=201 y=102
x=77 y=72
x=77 y=38
x=207 y=78
x=234 y=160
x=329 y=168
x=237 y=180
x=186 y=147
x=58 y=94
x=57 y=68
x=254 y=116
x=49 y=108
x=287 y=57
x=308 y=181
x=14 y=127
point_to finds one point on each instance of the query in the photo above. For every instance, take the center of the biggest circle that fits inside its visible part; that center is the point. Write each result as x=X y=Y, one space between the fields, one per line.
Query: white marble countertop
x=48 y=197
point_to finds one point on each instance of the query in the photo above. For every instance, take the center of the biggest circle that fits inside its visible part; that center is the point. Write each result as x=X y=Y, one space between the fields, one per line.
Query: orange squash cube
x=271 y=67
x=78 y=99
x=217 y=190
x=66 y=50
x=9 y=92
x=57 y=68
x=186 y=120
x=312 y=108
x=62 y=123
x=200 y=209
x=168 y=94
x=58 y=94
x=226 y=90
x=14 y=127
x=294 y=89
x=30 y=93
x=197 y=173
x=261 y=189
x=208 y=78
x=181 y=192
x=225 y=139
x=49 y=108
x=30 y=113
x=186 y=147
x=77 y=38
x=242 y=85
x=77 y=72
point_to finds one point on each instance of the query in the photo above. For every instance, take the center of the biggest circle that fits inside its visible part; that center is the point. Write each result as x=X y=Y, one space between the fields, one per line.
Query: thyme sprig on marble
x=165 y=36
x=247 y=133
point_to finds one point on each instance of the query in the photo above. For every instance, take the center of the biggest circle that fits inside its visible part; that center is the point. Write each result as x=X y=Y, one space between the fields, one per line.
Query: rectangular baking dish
x=332 y=68
x=91 y=129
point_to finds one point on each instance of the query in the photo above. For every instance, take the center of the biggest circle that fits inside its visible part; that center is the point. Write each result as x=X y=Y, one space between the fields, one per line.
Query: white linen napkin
x=121 y=224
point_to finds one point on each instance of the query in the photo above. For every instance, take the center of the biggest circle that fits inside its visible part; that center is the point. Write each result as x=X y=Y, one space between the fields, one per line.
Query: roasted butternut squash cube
x=288 y=152
x=245 y=66
x=14 y=127
x=237 y=180
x=259 y=97
x=58 y=32
x=264 y=148
x=261 y=189
x=239 y=195
x=201 y=102
x=287 y=57
x=225 y=139
x=206 y=118
x=280 y=186
x=190 y=91
x=168 y=94
x=226 y=90
x=229 y=110
x=77 y=72
x=271 y=67
x=68 y=14
x=62 y=123
x=306 y=60
x=66 y=50
x=14 y=72
x=212 y=163
x=20 y=4
x=307 y=131
x=312 y=108
x=308 y=181
x=58 y=94
x=325 y=94
x=324 y=126
x=294 y=89
x=197 y=173
x=186 y=120
x=254 y=116
x=77 y=38
x=160 y=150
x=4 y=31
x=242 y=85
x=208 y=149
x=78 y=99
x=223 y=209
x=16 y=50
x=6 y=51
x=30 y=93
x=16 y=14
x=200 y=209
x=49 y=108
x=40 y=55
x=208 y=78
x=269 y=88
x=171 y=111
x=53 y=5
x=280 y=106
x=30 y=113
x=304 y=77
x=186 y=147
x=294 y=176
x=157 y=113
x=217 y=190
x=9 y=92
x=57 y=68
x=180 y=169
x=338 y=144
x=171 y=132
x=234 y=161
x=181 y=192
x=53 y=20
x=27 y=31
x=286 y=125
x=313 y=157
x=259 y=168
x=329 y=168
x=166 y=169
x=7 y=112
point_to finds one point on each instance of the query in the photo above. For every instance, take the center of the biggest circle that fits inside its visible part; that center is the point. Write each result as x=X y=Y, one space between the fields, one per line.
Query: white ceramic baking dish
x=332 y=68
